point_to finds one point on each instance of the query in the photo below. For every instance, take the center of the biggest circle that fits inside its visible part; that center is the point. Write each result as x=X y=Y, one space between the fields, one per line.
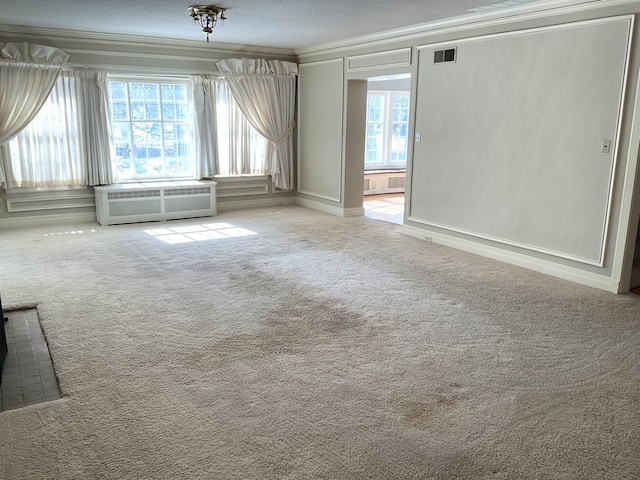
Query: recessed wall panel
x=512 y=136
x=320 y=118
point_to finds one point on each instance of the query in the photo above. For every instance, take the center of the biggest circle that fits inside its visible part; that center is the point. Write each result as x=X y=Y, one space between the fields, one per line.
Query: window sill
x=240 y=178
x=154 y=180
x=384 y=171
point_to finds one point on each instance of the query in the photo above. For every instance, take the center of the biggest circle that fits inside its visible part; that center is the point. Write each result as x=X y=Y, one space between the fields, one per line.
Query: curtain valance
x=32 y=53
x=256 y=66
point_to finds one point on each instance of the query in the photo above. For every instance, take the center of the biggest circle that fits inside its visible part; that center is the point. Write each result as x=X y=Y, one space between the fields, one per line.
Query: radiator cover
x=147 y=202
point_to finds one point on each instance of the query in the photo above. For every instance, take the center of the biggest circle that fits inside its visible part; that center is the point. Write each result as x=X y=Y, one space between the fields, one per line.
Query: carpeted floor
x=317 y=348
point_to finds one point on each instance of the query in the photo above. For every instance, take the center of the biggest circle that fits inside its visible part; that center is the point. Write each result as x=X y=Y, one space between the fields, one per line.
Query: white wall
x=510 y=164
x=320 y=123
x=512 y=137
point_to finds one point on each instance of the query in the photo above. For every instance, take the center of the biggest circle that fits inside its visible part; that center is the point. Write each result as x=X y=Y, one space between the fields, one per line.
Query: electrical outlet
x=428 y=239
x=606 y=146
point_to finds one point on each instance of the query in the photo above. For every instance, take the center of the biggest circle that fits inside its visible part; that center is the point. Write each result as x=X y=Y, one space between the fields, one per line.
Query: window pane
x=176 y=138
x=152 y=111
x=375 y=108
x=168 y=110
x=119 y=110
x=151 y=91
x=122 y=142
x=168 y=92
x=400 y=130
x=399 y=144
x=374 y=145
x=147 y=148
x=118 y=90
x=182 y=110
x=137 y=110
x=136 y=91
x=181 y=92
x=401 y=108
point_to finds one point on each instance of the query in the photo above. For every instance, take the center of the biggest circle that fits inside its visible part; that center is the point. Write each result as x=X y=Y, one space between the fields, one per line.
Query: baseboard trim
x=333 y=210
x=42 y=220
x=601 y=282
x=257 y=203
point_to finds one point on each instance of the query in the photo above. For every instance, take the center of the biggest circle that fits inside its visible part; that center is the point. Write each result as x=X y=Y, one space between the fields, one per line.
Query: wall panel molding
x=599 y=281
x=43 y=203
x=369 y=61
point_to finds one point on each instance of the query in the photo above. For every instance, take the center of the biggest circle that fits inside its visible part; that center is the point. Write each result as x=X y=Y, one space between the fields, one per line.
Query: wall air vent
x=445 y=56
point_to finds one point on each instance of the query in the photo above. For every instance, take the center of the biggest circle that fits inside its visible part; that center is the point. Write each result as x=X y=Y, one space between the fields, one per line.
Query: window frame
x=387 y=129
x=190 y=143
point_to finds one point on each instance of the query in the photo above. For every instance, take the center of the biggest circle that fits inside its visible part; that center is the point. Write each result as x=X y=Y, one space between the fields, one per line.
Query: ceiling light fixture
x=206 y=16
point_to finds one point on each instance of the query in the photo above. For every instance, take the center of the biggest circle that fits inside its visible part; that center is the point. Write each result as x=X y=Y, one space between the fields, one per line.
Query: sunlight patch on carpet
x=199 y=233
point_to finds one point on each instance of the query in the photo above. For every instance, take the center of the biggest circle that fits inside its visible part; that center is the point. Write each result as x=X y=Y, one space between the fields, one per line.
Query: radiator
x=147 y=202
x=384 y=182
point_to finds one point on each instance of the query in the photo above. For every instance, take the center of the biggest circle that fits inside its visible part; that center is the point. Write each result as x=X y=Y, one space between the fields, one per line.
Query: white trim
x=13 y=191
x=353 y=212
x=41 y=220
x=511 y=243
x=526 y=31
x=132 y=77
x=624 y=241
x=616 y=143
x=241 y=185
x=572 y=274
x=155 y=56
x=191 y=46
x=333 y=210
x=239 y=190
x=400 y=62
x=259 y=203
x=318 y=195
x=458 y=25
x=12 y=202
x=222 y=179
x=599 y=262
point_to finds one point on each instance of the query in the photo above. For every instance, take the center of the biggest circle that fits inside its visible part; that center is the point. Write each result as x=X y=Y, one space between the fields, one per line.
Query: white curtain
x=226 y=143
x=27 y=75
x=49 y=152
x=93 y=99
x=265 y=92
x=204 y=104
x=242 y=150
x=68 y=143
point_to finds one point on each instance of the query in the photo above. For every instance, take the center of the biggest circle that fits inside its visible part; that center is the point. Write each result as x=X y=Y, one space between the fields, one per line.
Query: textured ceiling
x=275 y=23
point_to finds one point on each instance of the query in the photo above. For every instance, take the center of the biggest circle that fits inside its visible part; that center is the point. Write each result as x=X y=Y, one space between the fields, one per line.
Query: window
x=48 y=152
x=241 y=149
x=151 y=124
x=387 y=130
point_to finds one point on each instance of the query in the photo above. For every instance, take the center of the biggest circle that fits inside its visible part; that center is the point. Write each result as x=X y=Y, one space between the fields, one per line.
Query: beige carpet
x=320 y=347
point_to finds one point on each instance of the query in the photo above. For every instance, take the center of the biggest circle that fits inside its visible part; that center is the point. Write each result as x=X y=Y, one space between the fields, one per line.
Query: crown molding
x=461 y=23
x=117 y=39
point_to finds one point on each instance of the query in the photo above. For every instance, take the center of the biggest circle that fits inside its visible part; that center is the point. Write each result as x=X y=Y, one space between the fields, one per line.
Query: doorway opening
x=386 y=147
